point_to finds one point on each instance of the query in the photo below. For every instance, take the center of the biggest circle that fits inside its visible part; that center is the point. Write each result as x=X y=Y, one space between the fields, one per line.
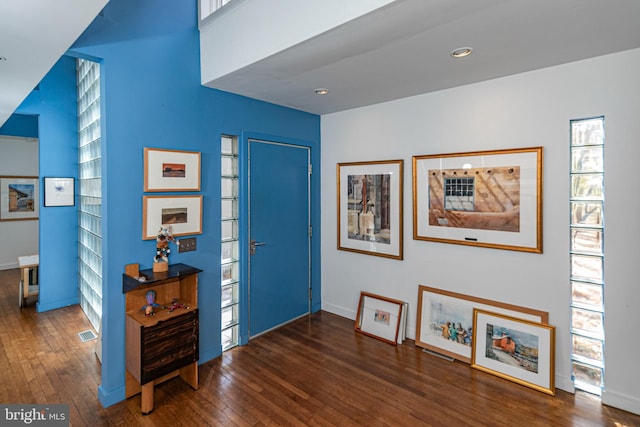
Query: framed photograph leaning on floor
x=379 y=317
x=445 y=320
x=514 y=349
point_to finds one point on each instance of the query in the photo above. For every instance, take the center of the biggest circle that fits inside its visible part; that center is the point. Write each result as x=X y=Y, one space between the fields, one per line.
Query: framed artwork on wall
x=19 y=198
x=445 y=320
x=490 y=199
x=369 y=201
x=171 y=170
x=514 y=349
x=59 y=192
x=182 y=213
x=379 y=317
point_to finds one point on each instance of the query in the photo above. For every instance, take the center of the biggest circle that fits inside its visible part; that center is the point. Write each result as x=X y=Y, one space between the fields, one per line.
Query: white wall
x=526 y=110
x=18 y=157
x=248 y=25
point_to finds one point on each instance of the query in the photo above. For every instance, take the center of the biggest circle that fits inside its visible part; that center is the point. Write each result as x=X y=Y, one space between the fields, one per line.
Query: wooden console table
x=28 y=277
x=163 y=345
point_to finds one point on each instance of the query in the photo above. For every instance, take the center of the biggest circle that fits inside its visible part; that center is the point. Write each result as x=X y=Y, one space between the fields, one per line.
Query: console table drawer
x=168 y=346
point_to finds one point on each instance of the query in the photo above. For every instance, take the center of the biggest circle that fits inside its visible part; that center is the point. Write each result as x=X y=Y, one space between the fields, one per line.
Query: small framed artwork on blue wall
x=59 y=192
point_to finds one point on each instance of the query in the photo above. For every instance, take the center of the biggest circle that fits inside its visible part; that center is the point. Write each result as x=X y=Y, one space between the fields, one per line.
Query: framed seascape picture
x=59 y=192
x=491 y=199
x=379 y=317
x=515 y=349
x=19 y=198
x=171 y=170
x=445 y=320
x=182 y=213
x=370 y=207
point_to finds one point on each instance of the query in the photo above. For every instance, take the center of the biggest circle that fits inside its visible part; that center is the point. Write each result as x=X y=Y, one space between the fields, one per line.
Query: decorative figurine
x=151 y=303
x=175 y=304
x=161 y=260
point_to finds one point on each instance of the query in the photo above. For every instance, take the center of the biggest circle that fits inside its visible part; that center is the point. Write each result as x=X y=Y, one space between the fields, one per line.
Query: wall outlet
x=187 y=245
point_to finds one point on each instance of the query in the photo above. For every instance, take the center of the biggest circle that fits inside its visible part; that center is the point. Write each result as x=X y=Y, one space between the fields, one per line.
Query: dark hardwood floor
x=316 y=371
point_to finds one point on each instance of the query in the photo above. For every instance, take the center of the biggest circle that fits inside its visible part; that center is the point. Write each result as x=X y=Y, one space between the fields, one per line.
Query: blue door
x=279 y=263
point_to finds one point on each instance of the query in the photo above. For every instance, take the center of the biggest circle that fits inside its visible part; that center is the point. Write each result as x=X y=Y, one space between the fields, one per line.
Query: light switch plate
x=187 y=245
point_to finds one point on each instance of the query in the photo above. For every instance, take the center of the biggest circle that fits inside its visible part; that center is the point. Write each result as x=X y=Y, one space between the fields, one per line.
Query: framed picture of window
x=514 y=349
x=369 y=201
x=491 y=199
x=19 y=198
x=171 y=170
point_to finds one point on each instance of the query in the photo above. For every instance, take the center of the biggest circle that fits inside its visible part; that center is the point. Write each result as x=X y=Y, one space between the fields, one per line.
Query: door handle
x=252 y=246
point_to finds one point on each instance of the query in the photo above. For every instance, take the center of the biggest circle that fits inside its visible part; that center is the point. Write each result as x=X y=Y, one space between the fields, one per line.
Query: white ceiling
x=34 y=34
x=397 y=51
x=404 y=49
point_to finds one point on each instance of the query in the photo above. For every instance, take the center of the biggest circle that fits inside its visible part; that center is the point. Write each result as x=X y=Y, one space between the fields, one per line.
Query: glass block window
x=587 y=253
x=89 y=191
x=229 y=250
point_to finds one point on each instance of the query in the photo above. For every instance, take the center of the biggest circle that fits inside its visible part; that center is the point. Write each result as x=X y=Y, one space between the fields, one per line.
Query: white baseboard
x=340 y=311
x=565 y=384
x=621 y=401
x=10 y=266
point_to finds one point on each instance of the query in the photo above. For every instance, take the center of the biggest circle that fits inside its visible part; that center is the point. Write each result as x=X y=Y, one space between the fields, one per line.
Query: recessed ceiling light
x=321 y=91
x=461 y=52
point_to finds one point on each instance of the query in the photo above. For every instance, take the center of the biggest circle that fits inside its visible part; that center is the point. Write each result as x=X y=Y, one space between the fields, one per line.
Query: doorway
x=279 y=280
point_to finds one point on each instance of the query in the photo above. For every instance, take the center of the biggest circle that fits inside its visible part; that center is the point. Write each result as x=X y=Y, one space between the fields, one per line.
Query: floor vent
x=87 y=335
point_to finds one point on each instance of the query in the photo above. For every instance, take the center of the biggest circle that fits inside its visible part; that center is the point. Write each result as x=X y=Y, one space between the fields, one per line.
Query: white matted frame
x=369 y=202
x=438 y=308
x=514 y=349
x=490 y=199
x=59 y=191
x=171 y=170
x=19 y=198
x=379 y=317
x=183 y=213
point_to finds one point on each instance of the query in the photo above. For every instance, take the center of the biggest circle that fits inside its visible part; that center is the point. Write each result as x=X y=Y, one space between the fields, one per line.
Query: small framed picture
x=182 y=213
x=379 y=317
x=171 y=170
x=514 y=349
x=19 y=198
x=59 y=192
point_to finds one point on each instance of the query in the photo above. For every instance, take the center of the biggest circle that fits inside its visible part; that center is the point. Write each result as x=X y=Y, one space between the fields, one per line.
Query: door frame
x=243 y=222
x=307 y=150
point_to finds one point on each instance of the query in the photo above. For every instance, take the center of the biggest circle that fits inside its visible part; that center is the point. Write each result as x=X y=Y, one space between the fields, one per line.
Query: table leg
x=146 y=400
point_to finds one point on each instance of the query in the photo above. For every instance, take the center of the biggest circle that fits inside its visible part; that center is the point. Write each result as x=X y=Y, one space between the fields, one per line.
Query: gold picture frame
x=182 y=213
x=379 y=317
x=171 y=170
x=514 y=349
x=490 y=199
x=369 y=207
x=438 y=308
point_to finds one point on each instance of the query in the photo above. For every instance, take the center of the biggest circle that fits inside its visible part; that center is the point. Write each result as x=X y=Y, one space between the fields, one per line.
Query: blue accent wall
x=23 y=125
x=54 y=105
x=152 y=97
